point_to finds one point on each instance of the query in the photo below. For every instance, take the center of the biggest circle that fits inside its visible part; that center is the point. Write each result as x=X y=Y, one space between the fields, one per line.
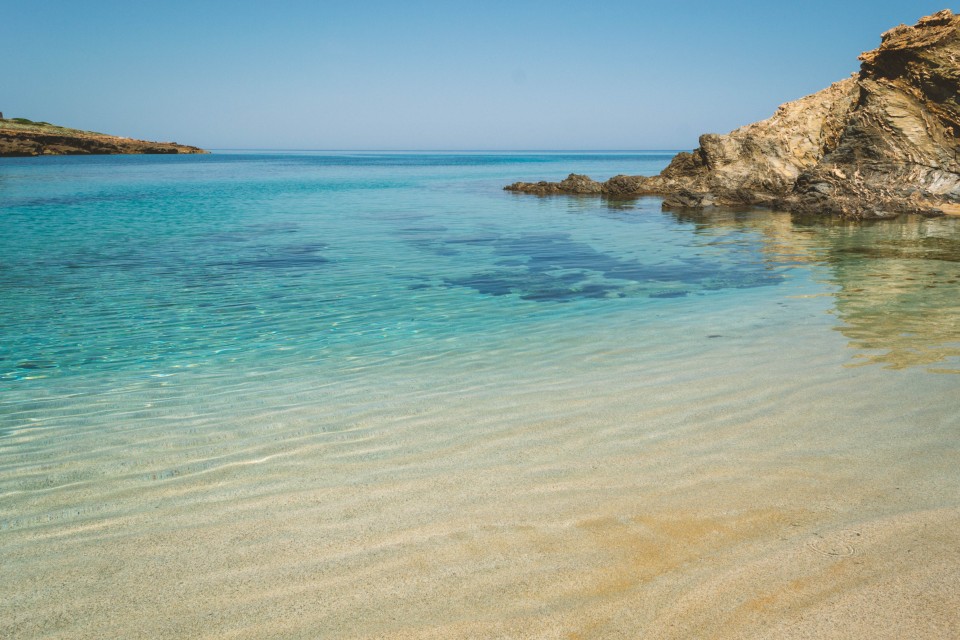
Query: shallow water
x=230 y=384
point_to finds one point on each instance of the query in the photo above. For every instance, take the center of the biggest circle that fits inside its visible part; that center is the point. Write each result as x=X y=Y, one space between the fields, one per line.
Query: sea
x=372 y=394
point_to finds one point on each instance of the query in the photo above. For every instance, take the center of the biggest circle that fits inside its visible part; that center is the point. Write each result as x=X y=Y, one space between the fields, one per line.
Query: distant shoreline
x=20 y=138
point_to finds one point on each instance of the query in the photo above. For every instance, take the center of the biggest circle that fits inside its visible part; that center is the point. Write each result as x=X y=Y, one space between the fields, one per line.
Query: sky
x=428 y=75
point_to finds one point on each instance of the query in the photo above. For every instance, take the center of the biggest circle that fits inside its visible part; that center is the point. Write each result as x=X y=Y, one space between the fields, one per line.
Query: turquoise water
x=114 y=267
x=121 y=270
x=344 y=368
x=117 y=269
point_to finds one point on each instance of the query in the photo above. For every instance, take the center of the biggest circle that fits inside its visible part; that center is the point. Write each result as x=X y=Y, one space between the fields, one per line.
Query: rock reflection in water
x=899 y=291
x=898 y=281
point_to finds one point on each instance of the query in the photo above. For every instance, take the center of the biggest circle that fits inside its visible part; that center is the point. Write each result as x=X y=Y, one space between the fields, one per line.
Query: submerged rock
x=882 y=142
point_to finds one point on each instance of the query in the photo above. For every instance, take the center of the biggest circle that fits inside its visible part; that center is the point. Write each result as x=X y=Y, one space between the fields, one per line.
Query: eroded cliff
x=880 y=143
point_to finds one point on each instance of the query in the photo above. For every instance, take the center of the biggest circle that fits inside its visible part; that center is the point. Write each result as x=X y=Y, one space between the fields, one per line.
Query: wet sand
x=748 y=486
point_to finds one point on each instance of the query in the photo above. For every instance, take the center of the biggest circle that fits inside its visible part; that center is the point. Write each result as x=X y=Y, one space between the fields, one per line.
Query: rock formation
x=21 y=137
x=880 y=143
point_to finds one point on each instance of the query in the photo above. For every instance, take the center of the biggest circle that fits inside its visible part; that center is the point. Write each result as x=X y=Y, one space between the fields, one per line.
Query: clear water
x=115 y=268
x=178 y=320
x=134 y=278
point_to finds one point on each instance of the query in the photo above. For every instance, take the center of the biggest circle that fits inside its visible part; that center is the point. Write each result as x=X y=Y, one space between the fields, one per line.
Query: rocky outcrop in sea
x=883 y=142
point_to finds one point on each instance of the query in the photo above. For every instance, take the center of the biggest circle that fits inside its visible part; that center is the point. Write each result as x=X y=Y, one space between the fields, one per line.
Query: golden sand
x=633 y=498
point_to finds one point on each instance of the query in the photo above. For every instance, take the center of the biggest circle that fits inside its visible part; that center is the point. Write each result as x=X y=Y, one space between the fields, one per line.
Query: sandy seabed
x=751 y=485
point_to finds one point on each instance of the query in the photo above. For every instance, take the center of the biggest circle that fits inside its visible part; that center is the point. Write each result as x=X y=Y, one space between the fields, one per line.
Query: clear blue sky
x=412 y=74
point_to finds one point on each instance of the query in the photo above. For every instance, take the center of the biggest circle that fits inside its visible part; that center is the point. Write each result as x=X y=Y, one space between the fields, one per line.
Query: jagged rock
x=572 y=184
x=883 y=142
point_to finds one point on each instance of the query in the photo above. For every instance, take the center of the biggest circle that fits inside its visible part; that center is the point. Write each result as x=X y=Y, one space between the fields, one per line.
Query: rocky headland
x=880 y=143
x=20 y=137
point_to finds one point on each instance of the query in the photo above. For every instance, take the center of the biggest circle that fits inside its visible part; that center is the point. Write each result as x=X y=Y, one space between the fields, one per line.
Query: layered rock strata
x=883 y=142
x=19 y=138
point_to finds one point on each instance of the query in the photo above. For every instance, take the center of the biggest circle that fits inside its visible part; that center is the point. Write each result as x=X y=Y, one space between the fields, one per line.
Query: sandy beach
x=679 y=494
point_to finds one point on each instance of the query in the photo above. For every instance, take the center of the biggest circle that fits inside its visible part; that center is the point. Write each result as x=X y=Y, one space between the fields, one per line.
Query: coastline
x=881 y=143
x=21 y=138
x=407 y=404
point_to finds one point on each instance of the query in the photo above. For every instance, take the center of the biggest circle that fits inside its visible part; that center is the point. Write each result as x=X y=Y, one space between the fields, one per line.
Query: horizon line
x=448 y=150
